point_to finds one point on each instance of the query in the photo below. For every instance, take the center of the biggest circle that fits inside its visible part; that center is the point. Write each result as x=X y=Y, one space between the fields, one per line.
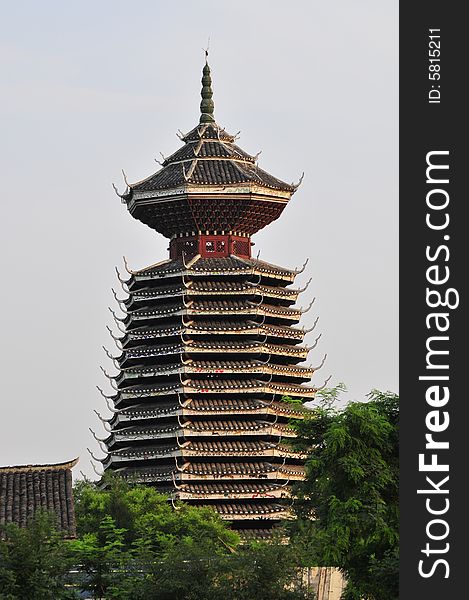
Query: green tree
x=101 y=557
x=146 y=514
x=167 y=552
x=264 y=571
x=348 y=505
x=34 y=561
x=185 y=571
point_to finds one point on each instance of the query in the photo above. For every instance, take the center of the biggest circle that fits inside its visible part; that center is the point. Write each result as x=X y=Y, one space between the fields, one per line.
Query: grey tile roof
x=28 y=488
x=209 y=157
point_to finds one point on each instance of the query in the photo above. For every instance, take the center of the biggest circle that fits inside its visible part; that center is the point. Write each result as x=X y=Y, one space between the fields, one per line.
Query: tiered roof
x=209 y=157
x=183 y=197
x=209 y=344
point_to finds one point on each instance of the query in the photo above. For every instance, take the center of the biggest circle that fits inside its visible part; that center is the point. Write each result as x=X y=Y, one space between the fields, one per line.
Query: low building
x=25 y=489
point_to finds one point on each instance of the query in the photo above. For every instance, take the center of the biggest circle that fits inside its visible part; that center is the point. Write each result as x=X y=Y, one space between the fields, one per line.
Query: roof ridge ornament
x=206 y=105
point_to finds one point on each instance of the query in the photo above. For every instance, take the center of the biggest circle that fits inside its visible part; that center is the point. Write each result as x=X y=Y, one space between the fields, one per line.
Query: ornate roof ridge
x=241 y=167
x=234 y=487
x=176 y=266
x=45 y=467
x=244 y=467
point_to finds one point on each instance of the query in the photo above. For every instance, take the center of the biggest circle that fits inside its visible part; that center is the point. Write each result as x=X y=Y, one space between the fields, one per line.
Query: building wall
x=327 y=582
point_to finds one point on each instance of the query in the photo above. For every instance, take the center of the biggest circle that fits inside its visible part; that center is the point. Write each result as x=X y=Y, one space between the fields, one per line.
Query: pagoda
x=210 y=354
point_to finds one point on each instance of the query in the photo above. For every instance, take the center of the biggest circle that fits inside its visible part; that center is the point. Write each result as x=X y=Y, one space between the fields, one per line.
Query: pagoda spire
x=206 y=106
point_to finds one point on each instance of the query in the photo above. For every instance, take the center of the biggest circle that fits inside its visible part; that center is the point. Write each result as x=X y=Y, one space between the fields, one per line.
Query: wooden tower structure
x=210 y=343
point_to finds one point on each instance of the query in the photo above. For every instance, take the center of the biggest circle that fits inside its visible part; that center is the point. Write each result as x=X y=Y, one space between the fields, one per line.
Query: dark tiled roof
x=208 y=132
x=233 y=446
x=144 y=452
x=147 y=474
x=245 y=508
x=244 y=468
x=209 y=157
x=213 y=265
x=251 y=534
x=224 y=404
x=29 y=488
x=231 y=487
x=227 y=426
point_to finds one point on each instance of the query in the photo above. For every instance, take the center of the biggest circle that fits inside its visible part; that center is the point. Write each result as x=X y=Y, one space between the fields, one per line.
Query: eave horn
x=313 y=327
x=95 y=469
x=185 y=403
x=103 y=394
x=173 y=504
x=110 y=407
x=322 y=363
x=121 y=196
x=324 y=384
x=116 y=339
x=303 y=289
x=96 y=437
x=275 y=420
x=295 y=186
x=113 y=358
x=183 y=444
x=111 y=379
x=298 y=271
x=187 y=304
x=305 y=310
x=280 y=466
x=123 y=281
x=97 y=459
x=104 y=421
x=126 y=266
x=117 y=299
x=315 y=343
x=117 y=321
x=178 y=487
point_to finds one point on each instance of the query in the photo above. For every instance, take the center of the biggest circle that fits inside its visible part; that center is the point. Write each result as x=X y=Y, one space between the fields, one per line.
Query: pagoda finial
x=206 y=106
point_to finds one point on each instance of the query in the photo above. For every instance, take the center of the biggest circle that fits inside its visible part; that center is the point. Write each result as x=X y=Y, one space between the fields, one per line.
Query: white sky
x=89 y=88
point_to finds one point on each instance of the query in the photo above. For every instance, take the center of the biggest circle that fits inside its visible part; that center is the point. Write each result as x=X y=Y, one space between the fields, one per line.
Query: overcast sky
x=89 y=88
